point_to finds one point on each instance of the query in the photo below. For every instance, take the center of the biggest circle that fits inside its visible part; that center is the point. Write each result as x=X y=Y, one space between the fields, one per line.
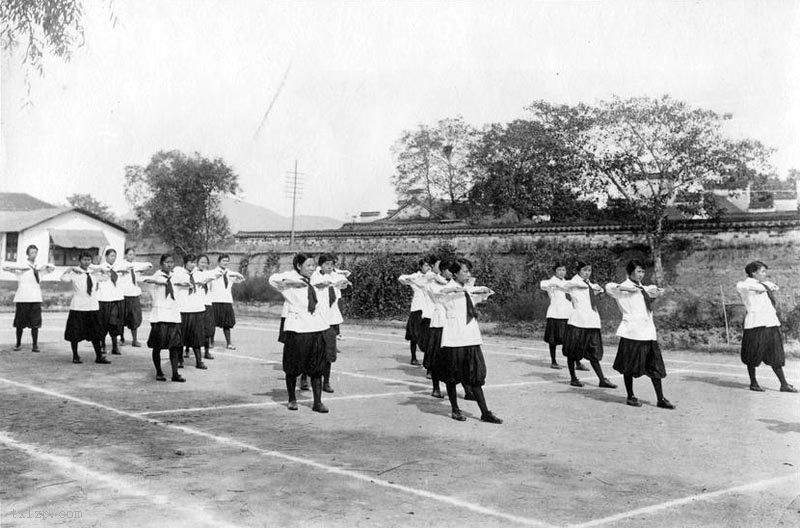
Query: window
x=12 y=243
x=68 y=256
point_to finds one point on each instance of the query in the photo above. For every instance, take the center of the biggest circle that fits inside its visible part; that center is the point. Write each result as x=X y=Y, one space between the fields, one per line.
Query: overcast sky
x=199 y=75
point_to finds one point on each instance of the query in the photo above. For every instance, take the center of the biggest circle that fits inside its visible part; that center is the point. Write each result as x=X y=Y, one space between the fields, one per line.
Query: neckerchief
x=471 y=312
x=133 y=276
x=647 y=300
x=168 y=290
x=35 y=273
x=592 y=299
x=312 y=295
x=194 y=284
x=89 y=283
x=225 y=278
x=113 y=276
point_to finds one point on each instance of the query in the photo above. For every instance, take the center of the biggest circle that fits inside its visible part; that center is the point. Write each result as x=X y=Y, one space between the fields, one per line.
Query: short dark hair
x=422 y=261
x=164 y=257
x=433 y=259
x=86 y=254
x=299 y=259
x=29 y=248
x=633 y=264
x=557 y=265
x=754 y=266
x=458 y=264
x=581 y=264
x=129 y=249
x=189 y=258
x=203 y=255
x=223 y=256
x=110 y=251
x=326 y=257
x=445 y=264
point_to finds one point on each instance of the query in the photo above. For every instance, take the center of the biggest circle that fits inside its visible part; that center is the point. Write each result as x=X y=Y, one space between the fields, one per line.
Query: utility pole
x=293 y=189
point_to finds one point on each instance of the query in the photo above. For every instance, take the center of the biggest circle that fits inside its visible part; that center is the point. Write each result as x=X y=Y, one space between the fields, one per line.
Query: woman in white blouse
x=461 y=352
x=28 y=298
x=638 y=353
x=558 y=312
x=304 y=344
x=83 y=321
x=762 y=340
x=414 y=324
x=582 y=339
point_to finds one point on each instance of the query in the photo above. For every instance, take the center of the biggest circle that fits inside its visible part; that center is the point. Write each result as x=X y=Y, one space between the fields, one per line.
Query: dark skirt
x=209 y=321
x=414 y=326
x=432 y=348
x=463 y=365
x=336 y=328
x=83 y=326
x=165 y=336
x=582 y=343
x=28 y=315
x=424 y=330
x=223 y=315
x=554 y=331
x=330 y=344
x=111 y=317
x=193 y=331
x=763 y=344
x=281 y=332
x=133 y=313
x=304 y=354
x=639 y=358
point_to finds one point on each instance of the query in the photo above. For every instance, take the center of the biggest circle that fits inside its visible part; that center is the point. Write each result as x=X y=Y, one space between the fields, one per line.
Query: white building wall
x=39 y=236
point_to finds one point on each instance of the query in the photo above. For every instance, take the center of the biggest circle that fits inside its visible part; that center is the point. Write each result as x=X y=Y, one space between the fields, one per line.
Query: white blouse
x=637 y=322
x=760 y=311
x=125 y=281
x=165 y=308
x=413 y=280
x=439 y=313
x=560 y=307
x=330 y=312
x=190 y=299
x=28 y=290
x=583 y=316
x=110 y=291
x=81 y=300
x=456 y=332
x=298 y=318
x=217 y=291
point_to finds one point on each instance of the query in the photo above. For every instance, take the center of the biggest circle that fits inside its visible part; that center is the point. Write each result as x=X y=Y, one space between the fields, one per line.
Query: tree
x=646 y=153
x=178 y=198
x=89 y=203
x=523 y=169
x=434 y=160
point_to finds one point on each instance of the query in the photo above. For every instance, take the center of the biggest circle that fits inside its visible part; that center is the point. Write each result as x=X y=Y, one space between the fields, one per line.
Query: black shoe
x=77 y=359
x=415 y=362
x=304 y=386
x=292 y=406
x=469 y=396
x=457 y=416
x=17 y=348
x=428 y=374
x=788 y=388
x=186 y=354
x=555 y=366
x=180 y=365
x=604 y=383
x=178 y=378
x=208 y=355
x=755 y=387
x=201 y=366
x=35 y=349
x=136 y=344
x=489 y=417
x=633 y=401
x=103 y=360
x=437 y=394
x=121 y=340
x=320 y=408
x=581 y=366
x=327 y=388
x=576 y=382
x=115 y=352
x=665 y=404
x=161 y=377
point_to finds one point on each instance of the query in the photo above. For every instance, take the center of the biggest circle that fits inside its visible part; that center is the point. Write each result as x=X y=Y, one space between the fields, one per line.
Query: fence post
x=725 y=315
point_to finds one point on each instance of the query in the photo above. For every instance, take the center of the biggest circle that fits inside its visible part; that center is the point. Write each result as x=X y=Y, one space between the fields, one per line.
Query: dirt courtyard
x=108 y=445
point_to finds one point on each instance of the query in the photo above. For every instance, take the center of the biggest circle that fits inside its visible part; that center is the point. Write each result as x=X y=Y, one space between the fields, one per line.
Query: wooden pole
x=294 y=202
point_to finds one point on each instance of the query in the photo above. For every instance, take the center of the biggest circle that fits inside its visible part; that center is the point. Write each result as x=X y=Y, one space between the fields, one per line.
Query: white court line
x=687 y=500
x=445 y=499
x=278 y=403
x=194 y=511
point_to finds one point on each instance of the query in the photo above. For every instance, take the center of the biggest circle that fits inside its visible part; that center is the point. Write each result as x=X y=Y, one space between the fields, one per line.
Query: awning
x=78 y=238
